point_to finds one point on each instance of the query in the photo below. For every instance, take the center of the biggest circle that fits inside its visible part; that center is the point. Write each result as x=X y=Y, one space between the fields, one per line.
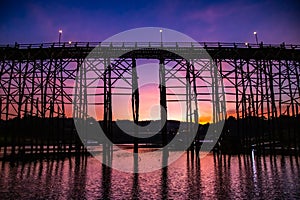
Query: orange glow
x=204 y=119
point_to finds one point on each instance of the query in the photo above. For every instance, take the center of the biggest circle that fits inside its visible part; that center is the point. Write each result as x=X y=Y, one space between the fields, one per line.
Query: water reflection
x=81 y=177
x=135 y=181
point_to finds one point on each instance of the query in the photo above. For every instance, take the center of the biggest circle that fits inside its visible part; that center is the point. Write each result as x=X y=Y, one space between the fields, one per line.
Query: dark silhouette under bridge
x=255 y=88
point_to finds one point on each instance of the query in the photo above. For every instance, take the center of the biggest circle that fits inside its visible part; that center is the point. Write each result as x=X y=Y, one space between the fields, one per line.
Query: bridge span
x=258 y=85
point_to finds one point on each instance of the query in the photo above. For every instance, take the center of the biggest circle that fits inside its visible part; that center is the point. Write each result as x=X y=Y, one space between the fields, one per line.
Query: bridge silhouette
x=259 y=83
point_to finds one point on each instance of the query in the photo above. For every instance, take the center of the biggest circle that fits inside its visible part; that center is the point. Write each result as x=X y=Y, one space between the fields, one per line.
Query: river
x=223 y=177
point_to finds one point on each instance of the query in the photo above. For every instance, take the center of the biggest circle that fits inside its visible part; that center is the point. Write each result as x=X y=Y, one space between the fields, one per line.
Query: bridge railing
x=150 y=45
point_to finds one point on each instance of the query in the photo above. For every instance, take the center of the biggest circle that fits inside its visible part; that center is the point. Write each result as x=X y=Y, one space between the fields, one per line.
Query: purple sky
x=224 y=21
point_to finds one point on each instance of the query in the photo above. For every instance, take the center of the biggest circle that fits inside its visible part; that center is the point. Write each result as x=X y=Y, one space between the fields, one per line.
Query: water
x=225 y=177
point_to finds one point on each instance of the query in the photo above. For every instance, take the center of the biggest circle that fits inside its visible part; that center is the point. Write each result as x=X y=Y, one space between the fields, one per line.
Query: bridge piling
x=135 y=104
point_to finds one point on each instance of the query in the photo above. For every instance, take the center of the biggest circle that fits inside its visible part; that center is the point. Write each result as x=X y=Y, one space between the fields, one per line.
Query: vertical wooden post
x=189 y=117
x=216 y=91
x=105 y=115
x=258 y=124
x=34 y=120
x=43 y=107
x=107 y=149
x=265 y=68
x=135 y=103
x=262 y=104
x=292 y=106
x=195 y=111
x=213 y=90
x=244 y=107
x=251 y=111
x=163 y=100
x=236 y=85
x=297 y=120
x=62 y=119
x=280 y=127
x=273 y=106
x=11 y=131
x=55 y=131
x=223 y=102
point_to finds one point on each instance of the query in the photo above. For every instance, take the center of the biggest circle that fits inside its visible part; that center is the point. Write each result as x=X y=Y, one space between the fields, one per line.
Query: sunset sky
x=210 y=21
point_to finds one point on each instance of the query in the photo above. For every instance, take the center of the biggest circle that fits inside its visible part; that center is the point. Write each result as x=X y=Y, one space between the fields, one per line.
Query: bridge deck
x=150 y=50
